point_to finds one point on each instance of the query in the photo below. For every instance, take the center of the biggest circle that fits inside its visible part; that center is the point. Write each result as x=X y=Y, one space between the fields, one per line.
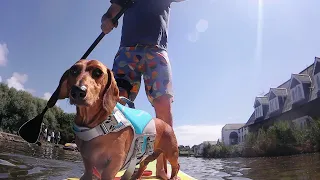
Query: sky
x=223 y=53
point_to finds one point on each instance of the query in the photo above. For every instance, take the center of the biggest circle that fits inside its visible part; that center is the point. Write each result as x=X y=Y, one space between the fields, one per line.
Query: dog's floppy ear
x=111 y=93
x=62 y=90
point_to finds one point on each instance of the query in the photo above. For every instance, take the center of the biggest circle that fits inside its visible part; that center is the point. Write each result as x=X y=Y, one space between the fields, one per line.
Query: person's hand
x=106 y=24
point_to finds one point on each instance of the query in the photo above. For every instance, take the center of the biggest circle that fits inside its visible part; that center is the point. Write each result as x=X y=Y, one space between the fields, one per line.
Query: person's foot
x=162 y=174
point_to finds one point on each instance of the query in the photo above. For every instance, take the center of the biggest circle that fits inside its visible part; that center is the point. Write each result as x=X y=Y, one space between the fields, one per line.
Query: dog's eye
x=96 y=73
x=74 y=71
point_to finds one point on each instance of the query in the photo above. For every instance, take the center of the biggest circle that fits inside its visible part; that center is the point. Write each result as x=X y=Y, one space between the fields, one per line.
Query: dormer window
x=297 y=93
x=318 y=81
x=260 y=108
x=300 y=88
x=274 y=104
x=258 y=112
x=316 y=73
x=276 y=98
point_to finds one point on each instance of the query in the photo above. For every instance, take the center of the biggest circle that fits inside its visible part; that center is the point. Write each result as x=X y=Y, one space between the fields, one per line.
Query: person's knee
x=163 y=102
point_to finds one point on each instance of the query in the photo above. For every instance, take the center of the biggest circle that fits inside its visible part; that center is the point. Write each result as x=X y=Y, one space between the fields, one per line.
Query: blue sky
x=223 y=52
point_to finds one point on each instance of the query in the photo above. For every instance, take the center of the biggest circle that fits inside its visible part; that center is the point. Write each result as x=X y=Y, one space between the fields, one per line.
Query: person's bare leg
x=162 y=106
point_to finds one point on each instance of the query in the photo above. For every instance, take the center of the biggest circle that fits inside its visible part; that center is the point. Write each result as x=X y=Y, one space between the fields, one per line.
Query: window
x=274 y=104
x=258 y=112
x=318 y=81
x=297 y=93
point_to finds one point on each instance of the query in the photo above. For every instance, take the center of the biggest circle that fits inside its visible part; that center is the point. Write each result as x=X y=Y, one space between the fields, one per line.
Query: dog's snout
x=78 y=92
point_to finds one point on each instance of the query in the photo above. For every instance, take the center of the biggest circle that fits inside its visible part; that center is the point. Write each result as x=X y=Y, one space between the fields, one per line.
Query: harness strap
x=127 y=101
x=114 y=123
x=133 y=160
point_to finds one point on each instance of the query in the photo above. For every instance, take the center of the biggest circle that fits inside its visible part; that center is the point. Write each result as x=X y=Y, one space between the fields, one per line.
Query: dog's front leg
x=87 y=170
x=112 y=168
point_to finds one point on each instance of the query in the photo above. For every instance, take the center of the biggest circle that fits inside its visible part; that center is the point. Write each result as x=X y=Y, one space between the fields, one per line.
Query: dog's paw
x=86 y=176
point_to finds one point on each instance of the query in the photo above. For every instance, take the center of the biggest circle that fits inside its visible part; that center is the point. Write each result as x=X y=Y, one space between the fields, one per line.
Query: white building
x=231 y=133
x=242 y=132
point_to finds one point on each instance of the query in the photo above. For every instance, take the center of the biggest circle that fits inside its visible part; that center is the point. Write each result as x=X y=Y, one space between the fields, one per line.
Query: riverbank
x=11 y=137
x=7 y=137
x=281 y=139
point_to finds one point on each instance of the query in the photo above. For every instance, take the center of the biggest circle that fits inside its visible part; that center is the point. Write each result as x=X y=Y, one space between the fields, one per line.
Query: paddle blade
x=30 y=130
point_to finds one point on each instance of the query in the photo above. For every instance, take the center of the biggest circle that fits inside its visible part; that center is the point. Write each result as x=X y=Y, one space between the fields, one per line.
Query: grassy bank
x=281 y=139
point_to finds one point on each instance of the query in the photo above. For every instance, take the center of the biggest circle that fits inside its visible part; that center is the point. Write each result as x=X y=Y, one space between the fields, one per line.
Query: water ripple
x=23 y=161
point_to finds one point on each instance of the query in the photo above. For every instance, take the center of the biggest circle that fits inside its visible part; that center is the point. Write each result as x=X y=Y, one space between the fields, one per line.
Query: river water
x=48 y=162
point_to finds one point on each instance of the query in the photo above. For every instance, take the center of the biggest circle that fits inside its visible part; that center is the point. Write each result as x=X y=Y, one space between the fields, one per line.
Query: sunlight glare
x=258 y=50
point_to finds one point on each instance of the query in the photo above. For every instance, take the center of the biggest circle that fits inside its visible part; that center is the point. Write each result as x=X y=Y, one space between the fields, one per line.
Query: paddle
x=30 y=130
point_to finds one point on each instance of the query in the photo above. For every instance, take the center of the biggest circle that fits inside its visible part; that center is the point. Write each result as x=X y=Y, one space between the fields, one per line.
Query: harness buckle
x=150 y=144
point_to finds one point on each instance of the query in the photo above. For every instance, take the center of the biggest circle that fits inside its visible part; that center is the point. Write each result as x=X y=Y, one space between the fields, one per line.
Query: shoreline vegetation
x=17 y=107
x=281 y=139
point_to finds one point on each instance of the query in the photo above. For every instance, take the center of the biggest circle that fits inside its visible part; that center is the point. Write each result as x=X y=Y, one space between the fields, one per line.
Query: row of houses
x=295 y=100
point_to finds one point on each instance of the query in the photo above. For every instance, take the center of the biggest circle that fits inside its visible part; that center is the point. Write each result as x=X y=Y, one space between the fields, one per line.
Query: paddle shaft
x=36 y=122
x=96 y=42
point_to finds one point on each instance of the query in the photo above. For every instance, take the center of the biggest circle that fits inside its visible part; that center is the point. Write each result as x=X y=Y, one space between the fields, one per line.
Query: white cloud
x=17 y=81
x=0 y=79
x=46 y=96
x=31 y=91
x=196 y=134
x=202 y=25
x=3 y=54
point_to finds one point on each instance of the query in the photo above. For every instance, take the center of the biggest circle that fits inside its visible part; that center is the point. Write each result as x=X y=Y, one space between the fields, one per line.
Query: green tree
x=17 y=107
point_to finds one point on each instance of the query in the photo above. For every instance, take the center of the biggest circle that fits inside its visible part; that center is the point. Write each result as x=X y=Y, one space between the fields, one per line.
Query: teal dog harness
x=142 y=125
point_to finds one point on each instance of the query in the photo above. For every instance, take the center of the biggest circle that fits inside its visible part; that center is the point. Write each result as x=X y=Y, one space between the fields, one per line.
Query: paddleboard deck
x=152 y=167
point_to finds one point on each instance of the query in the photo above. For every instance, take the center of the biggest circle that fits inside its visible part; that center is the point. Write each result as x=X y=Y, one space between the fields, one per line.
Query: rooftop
x=233 y=126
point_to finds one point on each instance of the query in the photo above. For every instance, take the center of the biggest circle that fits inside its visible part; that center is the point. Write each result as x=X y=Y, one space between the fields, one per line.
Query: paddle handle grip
x=96 y=42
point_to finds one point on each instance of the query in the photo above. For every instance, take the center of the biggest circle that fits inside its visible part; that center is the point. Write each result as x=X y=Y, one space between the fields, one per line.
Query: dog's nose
x=78 y=92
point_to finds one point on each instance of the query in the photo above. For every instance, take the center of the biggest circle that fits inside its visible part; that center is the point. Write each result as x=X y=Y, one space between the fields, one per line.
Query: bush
x=283 y=138
x=221 y=151
x=17 y=107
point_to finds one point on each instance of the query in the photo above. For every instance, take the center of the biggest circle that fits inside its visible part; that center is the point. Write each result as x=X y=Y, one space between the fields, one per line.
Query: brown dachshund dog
x=91 y=87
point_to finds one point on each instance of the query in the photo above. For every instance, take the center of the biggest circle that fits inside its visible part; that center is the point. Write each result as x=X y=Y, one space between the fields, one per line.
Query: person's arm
x=115 y=8
x=106 y=20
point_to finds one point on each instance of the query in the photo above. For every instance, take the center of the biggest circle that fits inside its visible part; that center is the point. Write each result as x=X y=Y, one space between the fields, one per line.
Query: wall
x=226 y=134
x=242 y=132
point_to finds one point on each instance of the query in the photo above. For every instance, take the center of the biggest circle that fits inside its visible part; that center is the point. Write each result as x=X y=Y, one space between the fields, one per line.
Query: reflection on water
x=23 y=161
x=34 y=162
x=304 y=167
